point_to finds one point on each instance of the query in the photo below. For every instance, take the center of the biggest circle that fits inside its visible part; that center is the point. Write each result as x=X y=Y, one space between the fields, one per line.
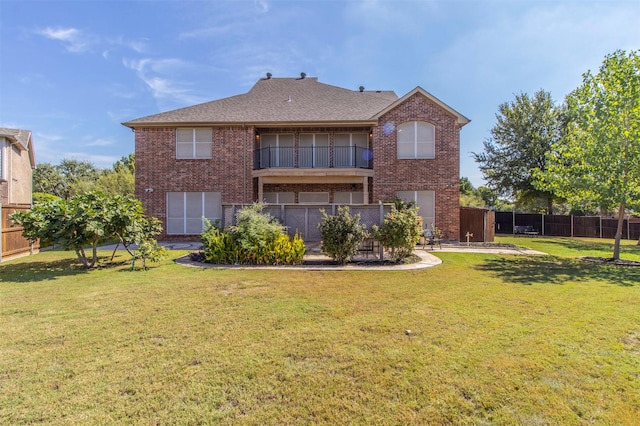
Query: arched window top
x=416 y=139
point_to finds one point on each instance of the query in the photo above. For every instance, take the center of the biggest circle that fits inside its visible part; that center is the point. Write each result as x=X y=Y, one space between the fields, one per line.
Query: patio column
x=260 y=191
x=365 y=190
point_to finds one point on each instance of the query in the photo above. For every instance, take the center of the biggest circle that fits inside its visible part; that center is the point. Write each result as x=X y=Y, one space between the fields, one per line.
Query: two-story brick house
x=295 y=140
x=16 y=164
x=17 y=161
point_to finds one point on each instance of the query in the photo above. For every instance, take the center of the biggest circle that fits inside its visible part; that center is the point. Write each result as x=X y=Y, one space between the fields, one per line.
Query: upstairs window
x=416 y=139
x=193 y=143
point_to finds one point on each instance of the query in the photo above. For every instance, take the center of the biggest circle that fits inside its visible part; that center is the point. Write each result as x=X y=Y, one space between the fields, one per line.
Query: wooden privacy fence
x=12 y=243
x=567 y=226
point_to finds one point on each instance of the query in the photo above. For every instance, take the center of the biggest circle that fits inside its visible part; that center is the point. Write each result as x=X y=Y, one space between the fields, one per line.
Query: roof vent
x=361 y=89
x=269 y=76
x=302 y=75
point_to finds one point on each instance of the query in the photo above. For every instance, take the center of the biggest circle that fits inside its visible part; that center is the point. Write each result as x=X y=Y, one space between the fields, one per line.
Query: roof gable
x=22 y=139
x=461 y=119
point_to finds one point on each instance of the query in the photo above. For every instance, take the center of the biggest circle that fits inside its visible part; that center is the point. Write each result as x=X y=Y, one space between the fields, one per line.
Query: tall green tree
x=597 y=164
x=67 y=179
x=526 y=129
x=48 y=180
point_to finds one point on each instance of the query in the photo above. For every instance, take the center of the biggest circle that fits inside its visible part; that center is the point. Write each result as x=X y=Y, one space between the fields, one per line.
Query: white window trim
x=314 y=146
x=194 y=143
x=314 y=202
x=277 y=146
x=278 y=195
x=351 y=194
x=184 y=211
x=426 y=220
x=352 y=144
x=415 y=140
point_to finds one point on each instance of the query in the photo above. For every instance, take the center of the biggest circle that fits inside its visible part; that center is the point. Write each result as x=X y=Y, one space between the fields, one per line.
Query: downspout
x=244 y=165
x=9 y=165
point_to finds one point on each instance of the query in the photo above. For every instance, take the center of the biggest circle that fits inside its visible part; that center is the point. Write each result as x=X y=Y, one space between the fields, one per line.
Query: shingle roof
x=281 y=100
x=22 y=139
x=19 y=136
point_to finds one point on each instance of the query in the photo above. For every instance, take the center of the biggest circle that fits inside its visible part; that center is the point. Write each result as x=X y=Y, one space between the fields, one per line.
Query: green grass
x=494 y=340
x=575 y=247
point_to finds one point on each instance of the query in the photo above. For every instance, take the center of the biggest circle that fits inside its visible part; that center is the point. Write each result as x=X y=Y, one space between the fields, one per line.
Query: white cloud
x=74 y=40
x=157 y=76
x=263 y=5
x=78 y=41
x=99 y=142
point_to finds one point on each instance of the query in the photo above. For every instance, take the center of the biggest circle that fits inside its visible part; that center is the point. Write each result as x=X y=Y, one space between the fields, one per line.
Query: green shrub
x=220 y=246
x=257 y=239
x=400 y=232
x=256 y=231
x=341 y=234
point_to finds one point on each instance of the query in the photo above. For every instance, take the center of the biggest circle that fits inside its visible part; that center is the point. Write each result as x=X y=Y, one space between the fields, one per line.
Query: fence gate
x=477 y=221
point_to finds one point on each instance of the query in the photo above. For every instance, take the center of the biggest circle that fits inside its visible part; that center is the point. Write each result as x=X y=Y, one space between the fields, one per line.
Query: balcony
x=344 y=157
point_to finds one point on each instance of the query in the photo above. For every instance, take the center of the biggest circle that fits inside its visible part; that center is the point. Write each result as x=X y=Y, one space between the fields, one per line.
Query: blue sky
x=72 y=71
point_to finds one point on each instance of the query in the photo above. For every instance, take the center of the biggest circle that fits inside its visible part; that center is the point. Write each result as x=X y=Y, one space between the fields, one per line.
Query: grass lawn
x=494 y=339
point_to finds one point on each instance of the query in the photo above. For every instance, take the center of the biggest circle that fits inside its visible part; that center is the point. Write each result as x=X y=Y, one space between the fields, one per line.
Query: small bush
x=341 y=234
x=256 y=230
x=257 y=239
x=400 y=232
x=219 y=246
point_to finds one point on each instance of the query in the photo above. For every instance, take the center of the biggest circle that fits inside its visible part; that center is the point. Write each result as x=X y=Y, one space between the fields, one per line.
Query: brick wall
x=440 y=174
x=157 y=167
x=229 y=169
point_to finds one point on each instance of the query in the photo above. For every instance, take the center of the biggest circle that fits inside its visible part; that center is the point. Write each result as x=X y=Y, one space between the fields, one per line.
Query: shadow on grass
x=605 y=246
x=557 y=270
x=40 y=271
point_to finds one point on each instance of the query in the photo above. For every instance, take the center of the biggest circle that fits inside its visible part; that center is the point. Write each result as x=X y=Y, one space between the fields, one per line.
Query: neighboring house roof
x=21 y=139
x=290 y=101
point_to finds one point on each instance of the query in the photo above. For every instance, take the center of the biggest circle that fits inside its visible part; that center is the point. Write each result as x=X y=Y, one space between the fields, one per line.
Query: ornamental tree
x=342 y=234
x=400 y=231
x=85 y=221
x=597 y=163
